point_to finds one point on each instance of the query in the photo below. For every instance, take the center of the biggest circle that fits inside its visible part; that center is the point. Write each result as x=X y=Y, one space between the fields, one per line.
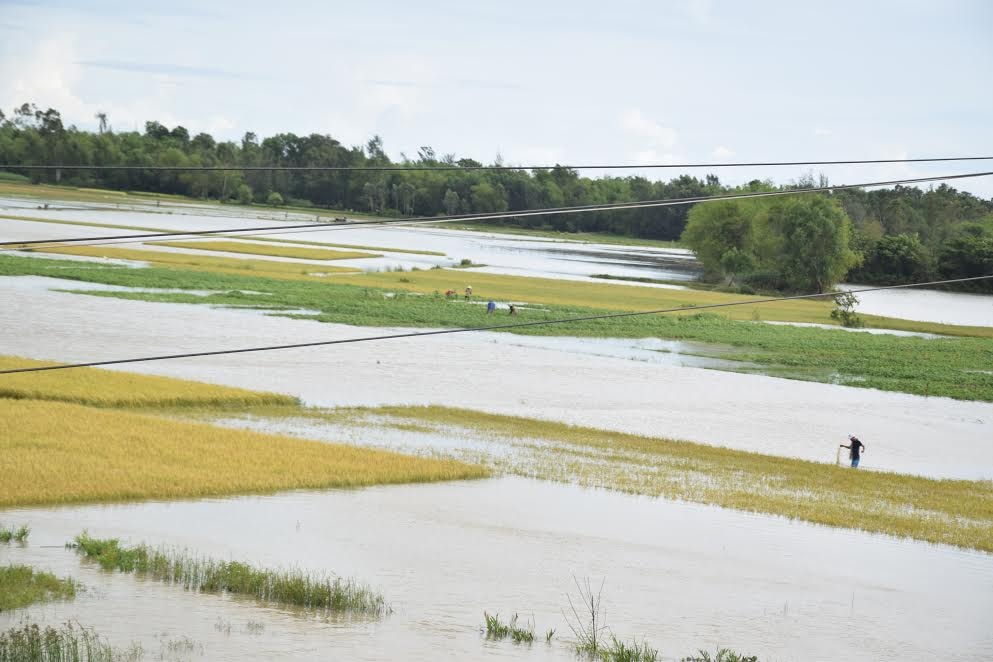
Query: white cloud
x=633 y=121
x=722 y=152
x=822 y=131
x=44 y=76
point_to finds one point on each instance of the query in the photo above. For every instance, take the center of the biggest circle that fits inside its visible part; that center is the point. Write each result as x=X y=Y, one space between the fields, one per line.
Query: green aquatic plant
x=497 y=629
x=20 y=534
x=201 y=574
x=67 y=643
x=22 y=585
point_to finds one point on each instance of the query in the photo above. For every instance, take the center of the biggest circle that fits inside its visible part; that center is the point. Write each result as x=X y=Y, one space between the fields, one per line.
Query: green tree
x=245 y=194
x=900 y=258
x=274 y=199
x=720 y=233
x=815 y=235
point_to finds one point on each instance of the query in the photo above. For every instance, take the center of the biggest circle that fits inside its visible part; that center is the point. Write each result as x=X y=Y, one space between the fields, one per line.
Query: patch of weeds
x=67 y=643
x=497 y=629
x=288 y=587
x=20 y=534
x=21 y=585
x=722 y=655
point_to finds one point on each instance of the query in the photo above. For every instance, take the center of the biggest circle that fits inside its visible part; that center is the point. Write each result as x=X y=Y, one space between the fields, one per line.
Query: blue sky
x=555 y=81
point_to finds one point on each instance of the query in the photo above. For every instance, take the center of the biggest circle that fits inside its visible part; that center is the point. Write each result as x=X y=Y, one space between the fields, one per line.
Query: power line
x=492 y=327
x=310 y=227
x=444 y=166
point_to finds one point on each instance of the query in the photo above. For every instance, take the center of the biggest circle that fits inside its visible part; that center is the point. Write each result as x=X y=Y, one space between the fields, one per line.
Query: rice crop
x=261 y=249
x=68 y=643
x=110 y=388
x=20 y=534
x=385 y=249
x=232 y=265
x=721 y=655
x=955 y=512
x=21 y=585
x=55 y=452
x=206 y=575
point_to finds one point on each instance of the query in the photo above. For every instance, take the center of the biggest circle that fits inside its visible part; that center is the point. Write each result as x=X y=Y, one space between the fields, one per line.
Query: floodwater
x=927 y=305
x=681 y=576
x=608 y=384
x=501 y=253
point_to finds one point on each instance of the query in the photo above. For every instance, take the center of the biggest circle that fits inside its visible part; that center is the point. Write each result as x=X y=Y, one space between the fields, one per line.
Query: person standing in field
x=855 y=448
x=468 y=292
x=513 y=310
x=490 y=307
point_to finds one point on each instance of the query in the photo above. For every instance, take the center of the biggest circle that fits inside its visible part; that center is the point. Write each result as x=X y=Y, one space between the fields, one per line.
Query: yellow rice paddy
x=111 y=388
x=266 y=249
x=55 y=453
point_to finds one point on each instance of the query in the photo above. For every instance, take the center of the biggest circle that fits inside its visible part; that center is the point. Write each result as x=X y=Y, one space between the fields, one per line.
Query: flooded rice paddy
x=682 y=576
x=621 y=385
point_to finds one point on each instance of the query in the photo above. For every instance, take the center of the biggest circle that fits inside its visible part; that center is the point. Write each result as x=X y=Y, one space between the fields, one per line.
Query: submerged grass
x=497 y=629
x=20 y=534
x=108 y=388
x=54 y=452
x=21 y=585
x=955 y=512
x=589 y=237
x=271 y=250
x=194 y=573
x=67 y=643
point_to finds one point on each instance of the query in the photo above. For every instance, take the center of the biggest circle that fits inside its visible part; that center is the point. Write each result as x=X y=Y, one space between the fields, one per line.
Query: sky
x=559 y=81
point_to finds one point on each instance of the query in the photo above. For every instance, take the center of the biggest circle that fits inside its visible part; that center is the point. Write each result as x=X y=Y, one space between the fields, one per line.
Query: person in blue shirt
x=855 y=448
x=490 y=307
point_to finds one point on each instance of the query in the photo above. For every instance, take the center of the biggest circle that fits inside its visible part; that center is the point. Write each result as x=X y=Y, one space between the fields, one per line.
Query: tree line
x=882 y=236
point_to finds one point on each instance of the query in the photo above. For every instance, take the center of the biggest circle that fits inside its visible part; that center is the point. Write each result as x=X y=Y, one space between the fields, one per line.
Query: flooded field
x=682 y=576
x=611 y=384
x=505 y=254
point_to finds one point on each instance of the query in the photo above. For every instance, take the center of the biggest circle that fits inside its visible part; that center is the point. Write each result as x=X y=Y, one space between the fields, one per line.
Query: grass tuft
x=20 y=534
x=67 y=643
x=283 y=587
x=497 y=629
x=21 y=585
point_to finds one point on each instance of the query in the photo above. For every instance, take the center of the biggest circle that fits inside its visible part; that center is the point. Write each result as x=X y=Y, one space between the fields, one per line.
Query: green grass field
x=956 y=367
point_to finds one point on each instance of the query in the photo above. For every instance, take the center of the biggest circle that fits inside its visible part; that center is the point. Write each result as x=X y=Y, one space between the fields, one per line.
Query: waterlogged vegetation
x=206 y=575
x=67 y=643
x=956 y=367
x=20 y=534
x=22 y=585
x=955 y=512
x=564 y=235
x=497 y=629
x=56 y=452
x=106 y=388
x=271 y=250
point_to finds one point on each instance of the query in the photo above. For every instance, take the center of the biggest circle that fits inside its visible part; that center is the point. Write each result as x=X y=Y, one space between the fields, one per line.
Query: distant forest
x=898 y=234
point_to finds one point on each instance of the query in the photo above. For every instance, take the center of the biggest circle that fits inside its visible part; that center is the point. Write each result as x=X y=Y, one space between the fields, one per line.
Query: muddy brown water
x=682 y=576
